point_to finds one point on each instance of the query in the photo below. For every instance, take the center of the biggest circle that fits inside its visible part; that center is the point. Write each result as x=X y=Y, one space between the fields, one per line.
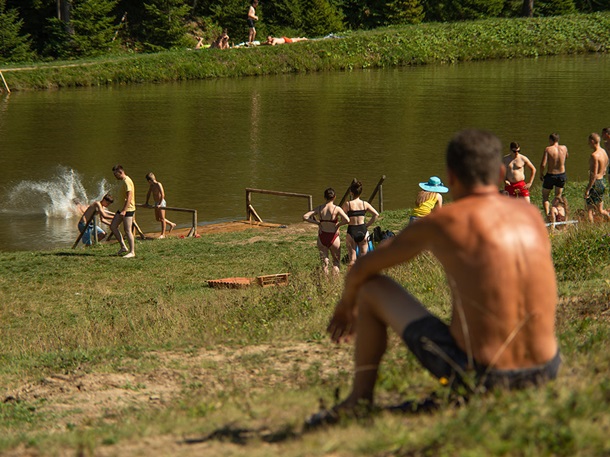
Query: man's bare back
x=556 y=155
x=509 y=322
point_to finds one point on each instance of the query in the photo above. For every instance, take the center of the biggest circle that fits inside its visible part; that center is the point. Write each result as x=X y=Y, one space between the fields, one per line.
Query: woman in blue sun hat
x=428 y=198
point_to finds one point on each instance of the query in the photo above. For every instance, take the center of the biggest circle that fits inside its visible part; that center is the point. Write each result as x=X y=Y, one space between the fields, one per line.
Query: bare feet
x=122 y=251
x=131 y=255
x=172 y=226
x=161 y=237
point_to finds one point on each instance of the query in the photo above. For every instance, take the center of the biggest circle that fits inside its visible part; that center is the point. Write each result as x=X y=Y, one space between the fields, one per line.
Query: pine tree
x=403 y=12
x=321 y=18
x=165 y=24
x=13 y=45
x=93 y=26
x=554 y=7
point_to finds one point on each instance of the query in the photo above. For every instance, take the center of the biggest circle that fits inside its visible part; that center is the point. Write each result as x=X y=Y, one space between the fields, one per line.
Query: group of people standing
x=329 y=217
x=553 y=176
x=125 y=215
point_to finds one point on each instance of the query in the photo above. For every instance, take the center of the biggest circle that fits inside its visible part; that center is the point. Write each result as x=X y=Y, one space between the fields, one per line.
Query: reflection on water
x=206 y=141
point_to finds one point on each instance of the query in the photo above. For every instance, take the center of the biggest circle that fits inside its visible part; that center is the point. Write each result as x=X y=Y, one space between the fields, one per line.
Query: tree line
x=62 y=29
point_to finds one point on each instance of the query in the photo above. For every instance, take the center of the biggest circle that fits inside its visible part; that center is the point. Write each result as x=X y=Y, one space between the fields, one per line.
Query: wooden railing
x=193 y=230
x=136 y=228
x=378 y=190
x=251 y=212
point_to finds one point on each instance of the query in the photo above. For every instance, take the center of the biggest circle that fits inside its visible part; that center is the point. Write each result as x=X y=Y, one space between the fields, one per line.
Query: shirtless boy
x=251 y=18
x=125 y=214
x=502 y=280
x=514 y=181
x=158 y=193
x=594 y=193
x=554 y=160
x=105 y=217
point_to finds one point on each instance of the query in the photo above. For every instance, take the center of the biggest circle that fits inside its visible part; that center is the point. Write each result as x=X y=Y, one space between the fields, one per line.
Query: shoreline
x=428 y=43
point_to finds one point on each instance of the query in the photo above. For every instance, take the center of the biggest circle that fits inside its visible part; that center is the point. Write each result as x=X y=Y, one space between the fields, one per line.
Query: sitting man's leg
x=382 y=303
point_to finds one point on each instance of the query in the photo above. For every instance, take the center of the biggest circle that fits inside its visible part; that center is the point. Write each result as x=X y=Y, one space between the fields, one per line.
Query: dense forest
x=33 y=30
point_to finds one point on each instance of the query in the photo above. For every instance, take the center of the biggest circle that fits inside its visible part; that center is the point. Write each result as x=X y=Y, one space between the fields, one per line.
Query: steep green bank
x=408 y=45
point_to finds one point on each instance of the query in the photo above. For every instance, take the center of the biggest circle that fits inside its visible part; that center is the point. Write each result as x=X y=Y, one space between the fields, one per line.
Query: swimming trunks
x=250 y=23
x=596 y=193
x=127 y=213
x=87 y=237
x=328 y=238
x=554 y=180
x=517 y=189
x=287 y=40
x=163 y=204
x=431 y=342
x=357 y=232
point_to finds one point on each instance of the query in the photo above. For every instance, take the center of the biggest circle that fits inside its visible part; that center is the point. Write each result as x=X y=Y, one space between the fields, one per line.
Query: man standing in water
x=594 y=193
x=158 y=194
x=554 y=160
x=503 y=285
x=125 y=214
x=514 y=181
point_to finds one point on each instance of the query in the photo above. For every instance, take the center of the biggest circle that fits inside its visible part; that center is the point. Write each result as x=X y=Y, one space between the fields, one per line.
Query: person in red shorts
x=514 y=180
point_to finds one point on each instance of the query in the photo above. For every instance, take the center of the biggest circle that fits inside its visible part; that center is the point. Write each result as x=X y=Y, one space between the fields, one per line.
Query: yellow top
x=129 y=187
x=425 y=208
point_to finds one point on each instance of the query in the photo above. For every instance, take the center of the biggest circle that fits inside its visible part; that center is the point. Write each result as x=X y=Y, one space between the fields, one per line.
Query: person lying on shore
x=283 y=40
x=95 y=208
x=502 y=280
x=329 y=241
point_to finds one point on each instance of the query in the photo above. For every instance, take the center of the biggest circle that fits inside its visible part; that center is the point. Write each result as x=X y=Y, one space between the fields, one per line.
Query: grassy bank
x=408 y=45
x=105 y=356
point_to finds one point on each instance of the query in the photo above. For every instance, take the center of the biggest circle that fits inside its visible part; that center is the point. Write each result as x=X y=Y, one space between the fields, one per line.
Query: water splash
x=54 y=198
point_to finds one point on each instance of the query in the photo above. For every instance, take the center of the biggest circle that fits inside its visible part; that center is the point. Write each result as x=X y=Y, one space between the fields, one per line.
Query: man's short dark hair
x=108 y=198
x=475 y=156
x=554 y=137
x=117 y=168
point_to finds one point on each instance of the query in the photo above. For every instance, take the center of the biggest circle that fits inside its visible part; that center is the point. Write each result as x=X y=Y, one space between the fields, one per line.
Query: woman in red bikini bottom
x=329 y=218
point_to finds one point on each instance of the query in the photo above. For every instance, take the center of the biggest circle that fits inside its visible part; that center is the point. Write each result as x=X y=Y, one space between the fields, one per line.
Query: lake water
x=208 y=140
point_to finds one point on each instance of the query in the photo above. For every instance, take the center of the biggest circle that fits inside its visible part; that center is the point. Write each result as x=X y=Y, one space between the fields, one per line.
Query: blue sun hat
x=434 y=184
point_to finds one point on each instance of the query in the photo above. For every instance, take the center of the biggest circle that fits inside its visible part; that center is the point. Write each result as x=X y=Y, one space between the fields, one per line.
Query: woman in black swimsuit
x=357 y=233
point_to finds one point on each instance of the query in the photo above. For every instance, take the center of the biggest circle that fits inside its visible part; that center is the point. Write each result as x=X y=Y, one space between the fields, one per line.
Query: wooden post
x=253 y=211
x=381 y=198
x=95 y=229
x=248 y=205
x=346 y=194
x=8 y=90
x=377 y=187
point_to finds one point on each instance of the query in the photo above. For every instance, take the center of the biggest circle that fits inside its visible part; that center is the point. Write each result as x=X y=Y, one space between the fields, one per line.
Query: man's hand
x=342 y=324
x=122 y=213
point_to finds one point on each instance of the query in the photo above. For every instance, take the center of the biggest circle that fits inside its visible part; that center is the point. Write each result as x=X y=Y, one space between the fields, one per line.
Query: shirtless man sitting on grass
x=497 y=257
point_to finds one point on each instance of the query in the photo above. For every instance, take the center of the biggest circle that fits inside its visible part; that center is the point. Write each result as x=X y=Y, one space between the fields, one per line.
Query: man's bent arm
x=543 y=164
x=532 y=168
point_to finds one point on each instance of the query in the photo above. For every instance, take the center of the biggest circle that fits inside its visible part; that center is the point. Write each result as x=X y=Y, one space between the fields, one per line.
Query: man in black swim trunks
x=502 y=325
x=251 y=18
x=554 y=161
